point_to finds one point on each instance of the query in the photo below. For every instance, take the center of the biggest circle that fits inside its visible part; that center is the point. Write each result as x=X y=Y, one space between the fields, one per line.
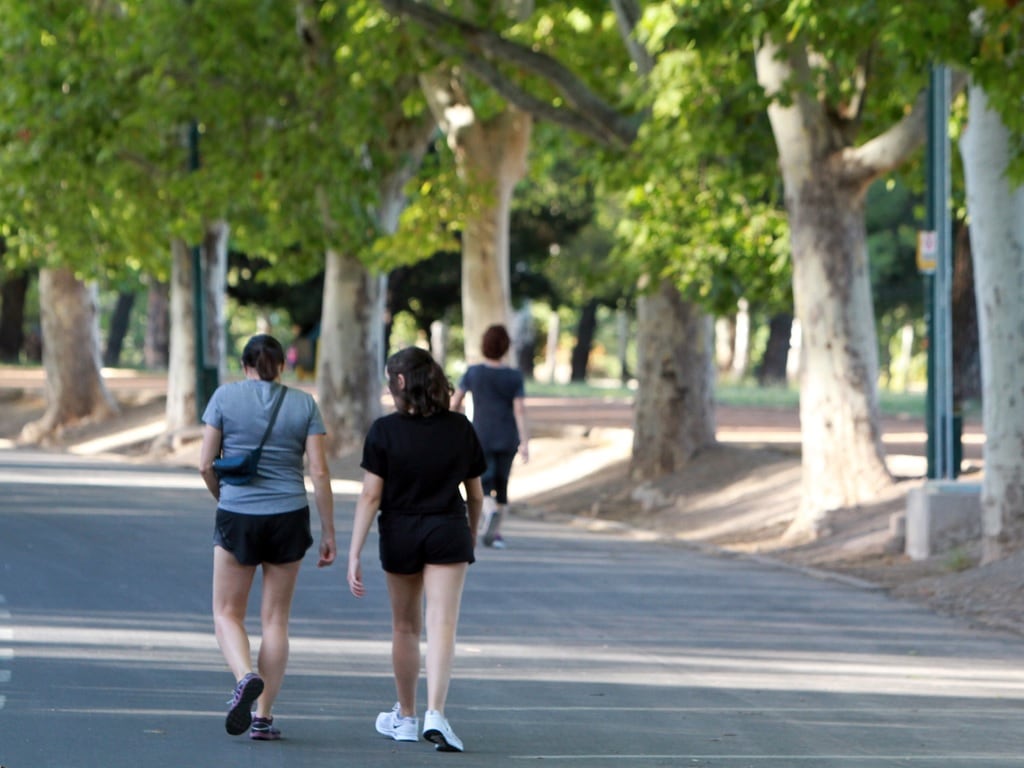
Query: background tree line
x=720 y=152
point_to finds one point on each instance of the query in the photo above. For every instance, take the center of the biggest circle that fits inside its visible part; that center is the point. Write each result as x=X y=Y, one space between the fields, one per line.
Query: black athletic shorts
x=254 y=539
x=408 y=542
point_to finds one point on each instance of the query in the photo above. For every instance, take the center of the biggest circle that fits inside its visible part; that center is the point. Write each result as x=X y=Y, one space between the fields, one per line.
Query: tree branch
x=890 y=149
x=627 y=13
x=588 y=112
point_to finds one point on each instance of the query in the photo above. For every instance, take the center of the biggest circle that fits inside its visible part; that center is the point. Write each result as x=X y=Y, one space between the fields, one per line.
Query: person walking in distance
x=499 y=417
x=415 y=461
x=262 y=523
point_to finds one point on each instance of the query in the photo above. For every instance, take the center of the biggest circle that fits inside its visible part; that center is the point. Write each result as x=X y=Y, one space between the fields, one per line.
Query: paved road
x=573 y=651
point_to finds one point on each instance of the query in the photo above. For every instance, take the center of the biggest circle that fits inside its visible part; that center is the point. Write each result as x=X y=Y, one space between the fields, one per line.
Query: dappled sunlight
x=657 y=666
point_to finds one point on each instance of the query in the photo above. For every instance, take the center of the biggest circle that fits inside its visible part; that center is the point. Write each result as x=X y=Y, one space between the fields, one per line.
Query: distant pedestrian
x=499 y=417
x=262 y=523
x=415 y=461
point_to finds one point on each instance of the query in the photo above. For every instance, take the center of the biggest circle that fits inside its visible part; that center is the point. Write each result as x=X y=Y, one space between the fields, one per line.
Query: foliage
x=128 y=123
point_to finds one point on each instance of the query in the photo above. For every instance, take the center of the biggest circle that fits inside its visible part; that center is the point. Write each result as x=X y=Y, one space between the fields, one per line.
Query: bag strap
x=273 y=416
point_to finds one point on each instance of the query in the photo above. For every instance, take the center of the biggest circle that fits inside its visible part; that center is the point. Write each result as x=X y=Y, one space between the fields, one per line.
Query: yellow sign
x=927 y=250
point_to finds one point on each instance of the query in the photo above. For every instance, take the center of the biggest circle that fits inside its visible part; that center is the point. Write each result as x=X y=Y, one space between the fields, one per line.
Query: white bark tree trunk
x=741 y=349
x=348 y=365
x=996 y=210
x=674 y=415
x=75 y=391
x=350 y=355
x=825 y=181
x=843 y=456
x=491 y=158
x=214 y=258
x=180 y=409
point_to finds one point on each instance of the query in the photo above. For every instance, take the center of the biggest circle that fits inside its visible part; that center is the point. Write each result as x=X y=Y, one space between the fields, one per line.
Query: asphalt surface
x=574 y=650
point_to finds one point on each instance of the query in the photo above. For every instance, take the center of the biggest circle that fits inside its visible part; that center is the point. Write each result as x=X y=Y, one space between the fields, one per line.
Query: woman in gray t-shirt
x=263 y=523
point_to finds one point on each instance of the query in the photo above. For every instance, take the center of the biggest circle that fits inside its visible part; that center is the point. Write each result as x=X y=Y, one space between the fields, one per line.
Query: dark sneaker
x=263 y=729
x=246 y=692
x=437 y=730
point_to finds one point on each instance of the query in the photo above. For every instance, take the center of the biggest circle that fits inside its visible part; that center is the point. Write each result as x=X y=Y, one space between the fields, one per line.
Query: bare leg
x=406 y=591
x=443 y=586
x=278 y=589
x=231 y=585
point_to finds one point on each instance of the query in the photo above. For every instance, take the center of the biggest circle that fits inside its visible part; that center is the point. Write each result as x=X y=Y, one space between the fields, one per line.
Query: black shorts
x=408 y=542
x=254 y=539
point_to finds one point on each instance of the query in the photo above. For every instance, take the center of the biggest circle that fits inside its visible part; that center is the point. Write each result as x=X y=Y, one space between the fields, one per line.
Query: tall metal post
x=939 y=406
x=207 y=377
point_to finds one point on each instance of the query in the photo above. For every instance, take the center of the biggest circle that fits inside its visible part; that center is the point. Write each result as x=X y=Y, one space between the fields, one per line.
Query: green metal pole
x=206 y=378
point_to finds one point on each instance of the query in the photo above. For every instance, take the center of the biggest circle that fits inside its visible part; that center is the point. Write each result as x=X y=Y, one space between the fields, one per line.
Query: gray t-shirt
x=241 y=411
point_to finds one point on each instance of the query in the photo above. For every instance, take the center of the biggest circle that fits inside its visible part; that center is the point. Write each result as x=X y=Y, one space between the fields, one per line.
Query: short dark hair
x=265 y=355
x=496 y=342
x=427 y=390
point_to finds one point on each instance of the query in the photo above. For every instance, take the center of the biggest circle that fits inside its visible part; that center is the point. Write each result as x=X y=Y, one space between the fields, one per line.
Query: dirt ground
x=735 y=498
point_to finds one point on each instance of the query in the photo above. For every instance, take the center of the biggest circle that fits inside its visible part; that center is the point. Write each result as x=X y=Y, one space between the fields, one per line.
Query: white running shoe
x=437 y=730
x=394 y=726
x=490 y=506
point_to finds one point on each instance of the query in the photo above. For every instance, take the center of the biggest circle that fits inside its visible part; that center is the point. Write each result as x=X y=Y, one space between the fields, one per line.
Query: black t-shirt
x=494 y=390
x=423 y=461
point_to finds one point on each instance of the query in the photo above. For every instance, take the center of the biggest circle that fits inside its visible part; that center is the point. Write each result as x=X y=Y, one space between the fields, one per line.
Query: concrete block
x=942 y=514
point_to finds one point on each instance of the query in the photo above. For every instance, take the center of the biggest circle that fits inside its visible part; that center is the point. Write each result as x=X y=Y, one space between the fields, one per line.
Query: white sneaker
x=437 y=730
x=394 y=726
x=490 y=506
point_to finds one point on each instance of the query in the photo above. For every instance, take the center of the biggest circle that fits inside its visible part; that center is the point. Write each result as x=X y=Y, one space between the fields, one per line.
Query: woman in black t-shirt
x=415 y=461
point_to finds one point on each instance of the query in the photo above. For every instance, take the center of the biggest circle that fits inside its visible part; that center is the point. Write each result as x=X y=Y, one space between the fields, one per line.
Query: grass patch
x=742 y=395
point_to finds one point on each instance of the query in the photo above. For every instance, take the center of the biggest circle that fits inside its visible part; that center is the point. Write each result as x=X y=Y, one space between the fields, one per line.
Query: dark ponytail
x=427 y=390
x=265 y=355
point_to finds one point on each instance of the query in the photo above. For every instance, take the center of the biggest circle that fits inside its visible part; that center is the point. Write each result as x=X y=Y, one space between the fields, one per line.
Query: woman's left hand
x=355 y=578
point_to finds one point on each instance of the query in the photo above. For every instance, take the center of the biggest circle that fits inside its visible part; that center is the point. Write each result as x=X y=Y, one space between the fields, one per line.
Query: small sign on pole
x=927 y=250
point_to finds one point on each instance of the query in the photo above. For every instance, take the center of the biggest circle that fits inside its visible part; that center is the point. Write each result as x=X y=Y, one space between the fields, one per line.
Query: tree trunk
x=824 y=181
x=996 y=209
x=674 y=415
x=843 y=456
x=776 y=352
x=622 y=335
x=12 y=314
x=585 y=331
x=71 y=357
x=181 y=410
x=351 y=348
x=741 y=350
x=214 y=267
x=966 y=351
x=349 y=380
x=551 y=346
x=119 y=322
x=491 y=159
x=725 y=343
x=157 y=346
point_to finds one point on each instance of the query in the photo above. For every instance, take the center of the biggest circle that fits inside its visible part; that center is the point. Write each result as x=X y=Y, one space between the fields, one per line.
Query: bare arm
x=208 y=451
x=320 y=474
x=457 y=398
x=474 y=504
x=366 y=510
x=519 y=410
